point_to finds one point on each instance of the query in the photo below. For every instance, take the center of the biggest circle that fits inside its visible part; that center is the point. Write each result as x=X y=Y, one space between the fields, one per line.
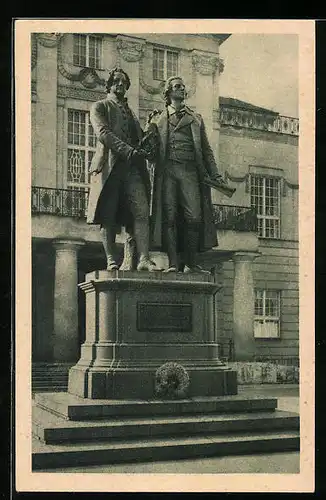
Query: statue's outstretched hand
x=153 y=113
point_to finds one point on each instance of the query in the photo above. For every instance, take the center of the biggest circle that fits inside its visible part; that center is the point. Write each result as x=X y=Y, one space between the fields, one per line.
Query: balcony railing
x=73 y=203
x=235 y=218
x=61 y=202
x=226 y=352
x=225 y=349
x=241 y=118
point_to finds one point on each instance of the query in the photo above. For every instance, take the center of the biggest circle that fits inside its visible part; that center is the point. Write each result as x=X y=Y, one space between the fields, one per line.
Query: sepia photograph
x=164 y=178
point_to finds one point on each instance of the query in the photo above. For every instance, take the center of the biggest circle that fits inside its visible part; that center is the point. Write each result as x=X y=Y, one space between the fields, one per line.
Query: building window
x=87 y=51
x=81 y=148
x=265 y=197
x=165 y=64
x=267 y=314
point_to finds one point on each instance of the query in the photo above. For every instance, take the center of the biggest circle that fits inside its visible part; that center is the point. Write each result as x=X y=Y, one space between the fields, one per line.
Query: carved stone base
x=137 y=321
x=139 y=383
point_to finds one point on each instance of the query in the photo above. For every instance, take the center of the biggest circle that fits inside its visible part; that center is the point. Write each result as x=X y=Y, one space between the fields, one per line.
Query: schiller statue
x=185 y=169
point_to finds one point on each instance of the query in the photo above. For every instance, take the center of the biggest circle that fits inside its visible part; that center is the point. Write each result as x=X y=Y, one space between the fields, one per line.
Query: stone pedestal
x=135 y=322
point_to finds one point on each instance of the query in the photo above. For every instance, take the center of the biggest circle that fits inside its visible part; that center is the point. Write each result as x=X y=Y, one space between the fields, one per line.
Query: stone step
x=50 y=385
x=43 y=370
x=50 y=456
x=51 y=369
x=53 y=429
x=49 y=388
x=73 y=407
x=50 y=382
x=50 y=377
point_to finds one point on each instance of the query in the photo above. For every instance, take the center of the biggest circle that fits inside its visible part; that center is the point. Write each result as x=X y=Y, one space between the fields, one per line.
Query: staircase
x=68 y=430
x=50 y=377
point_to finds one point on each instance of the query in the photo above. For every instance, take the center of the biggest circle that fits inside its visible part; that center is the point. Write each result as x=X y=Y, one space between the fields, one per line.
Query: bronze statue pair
x=174 y=214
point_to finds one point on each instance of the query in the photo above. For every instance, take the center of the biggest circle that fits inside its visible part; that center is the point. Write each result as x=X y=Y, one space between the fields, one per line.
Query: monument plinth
x=136 y=322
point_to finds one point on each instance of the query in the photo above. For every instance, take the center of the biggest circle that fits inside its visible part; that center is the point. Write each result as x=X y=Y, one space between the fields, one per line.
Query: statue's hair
x=167 y=88
x=109 y=81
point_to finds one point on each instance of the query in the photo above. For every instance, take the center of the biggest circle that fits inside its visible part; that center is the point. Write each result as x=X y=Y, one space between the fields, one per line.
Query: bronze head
x=174 y=88
x=118 y=74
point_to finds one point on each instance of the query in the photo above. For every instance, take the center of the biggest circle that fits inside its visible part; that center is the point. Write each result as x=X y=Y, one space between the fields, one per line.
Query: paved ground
x=289 y=463
x=278 y=463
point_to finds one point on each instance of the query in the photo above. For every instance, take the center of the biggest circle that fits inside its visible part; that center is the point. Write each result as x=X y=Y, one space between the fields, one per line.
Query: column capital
x=49 y=40
x=67 y=244
x=245 y=256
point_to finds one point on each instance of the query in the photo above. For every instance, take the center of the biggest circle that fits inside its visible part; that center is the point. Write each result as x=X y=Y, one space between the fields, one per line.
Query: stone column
x=216 y=112
x=45 y=141
x=130 y=51
x=243 y=305
x=208 y=67
x=218 y=270
x=65 y=321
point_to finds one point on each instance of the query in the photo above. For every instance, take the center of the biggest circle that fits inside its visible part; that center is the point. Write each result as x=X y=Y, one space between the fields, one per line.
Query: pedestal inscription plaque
x=160 y=317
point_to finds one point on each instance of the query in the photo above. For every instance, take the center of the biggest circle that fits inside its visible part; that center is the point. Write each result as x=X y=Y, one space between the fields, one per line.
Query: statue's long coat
x=112 y=152
x=205 y=164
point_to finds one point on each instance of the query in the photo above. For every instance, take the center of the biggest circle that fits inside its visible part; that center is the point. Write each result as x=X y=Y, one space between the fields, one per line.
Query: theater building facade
x=256 y=261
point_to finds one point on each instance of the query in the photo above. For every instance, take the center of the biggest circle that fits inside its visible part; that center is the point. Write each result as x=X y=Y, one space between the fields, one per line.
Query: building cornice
x=70 y=92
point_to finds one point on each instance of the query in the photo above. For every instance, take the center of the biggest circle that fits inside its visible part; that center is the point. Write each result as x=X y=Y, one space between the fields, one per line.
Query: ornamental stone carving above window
x=207 y=64
x=130 y=50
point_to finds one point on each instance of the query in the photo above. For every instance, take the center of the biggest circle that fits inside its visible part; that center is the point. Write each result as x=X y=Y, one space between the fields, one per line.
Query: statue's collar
x=120 y=102
x=173 y=110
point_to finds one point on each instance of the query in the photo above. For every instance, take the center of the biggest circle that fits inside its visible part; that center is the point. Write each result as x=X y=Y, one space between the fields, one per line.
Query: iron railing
x=235 y=218
x=61 y=202
x=227 y=353
x=73 y=203
x=225 y=349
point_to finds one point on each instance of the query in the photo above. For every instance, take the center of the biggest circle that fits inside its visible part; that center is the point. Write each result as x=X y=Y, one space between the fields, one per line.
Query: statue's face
x=178 y=89
x=119 y=84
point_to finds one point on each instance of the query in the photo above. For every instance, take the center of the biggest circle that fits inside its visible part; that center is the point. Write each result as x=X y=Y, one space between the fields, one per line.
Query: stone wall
x=244 y=151
x=265 y=373
x=276 y=268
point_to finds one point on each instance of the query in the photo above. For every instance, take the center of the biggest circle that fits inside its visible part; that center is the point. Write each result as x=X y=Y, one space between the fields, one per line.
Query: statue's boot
x=191 y=246
x=146 y=264
x=170 y=237
x=129 y=254
x=141 y=231
x=108 y=241
x=111 y=264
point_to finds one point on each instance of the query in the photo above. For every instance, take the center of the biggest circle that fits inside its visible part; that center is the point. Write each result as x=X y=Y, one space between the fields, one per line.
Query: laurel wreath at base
x=171 y=381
